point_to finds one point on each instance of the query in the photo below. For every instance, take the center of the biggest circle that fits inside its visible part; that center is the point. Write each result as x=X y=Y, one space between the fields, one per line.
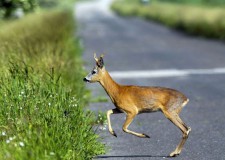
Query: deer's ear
x=100 y=62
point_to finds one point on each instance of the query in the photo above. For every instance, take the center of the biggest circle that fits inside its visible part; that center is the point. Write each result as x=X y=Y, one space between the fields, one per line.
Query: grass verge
x=194 y=19
x=41 y=91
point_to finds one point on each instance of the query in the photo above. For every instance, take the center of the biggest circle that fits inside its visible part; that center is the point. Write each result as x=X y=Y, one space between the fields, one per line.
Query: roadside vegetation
x=42 y=95
x=203 y=18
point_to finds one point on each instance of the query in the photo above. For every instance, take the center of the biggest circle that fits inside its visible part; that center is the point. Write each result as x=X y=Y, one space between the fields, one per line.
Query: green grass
x=42 y=95
x=194 y=19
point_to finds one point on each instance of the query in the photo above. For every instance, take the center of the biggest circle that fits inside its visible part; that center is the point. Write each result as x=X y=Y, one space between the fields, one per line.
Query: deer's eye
x=93 y=72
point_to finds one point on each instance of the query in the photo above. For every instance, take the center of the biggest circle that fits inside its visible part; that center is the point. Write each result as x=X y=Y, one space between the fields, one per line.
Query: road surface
x=145 y=53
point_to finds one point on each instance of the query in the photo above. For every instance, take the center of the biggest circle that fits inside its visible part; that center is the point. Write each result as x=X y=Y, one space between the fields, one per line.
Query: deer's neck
x=110 y=86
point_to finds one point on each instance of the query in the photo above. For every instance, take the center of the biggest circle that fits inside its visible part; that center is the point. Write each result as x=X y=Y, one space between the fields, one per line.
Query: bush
x=9 y=6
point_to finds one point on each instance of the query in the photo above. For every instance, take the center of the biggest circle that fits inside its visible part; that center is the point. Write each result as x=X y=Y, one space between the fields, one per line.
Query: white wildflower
x=14 y=137
x=21 y=144
x=49 y=104
x=102 y=127
x=52 y=153
x=10 y=139
x=3 y=133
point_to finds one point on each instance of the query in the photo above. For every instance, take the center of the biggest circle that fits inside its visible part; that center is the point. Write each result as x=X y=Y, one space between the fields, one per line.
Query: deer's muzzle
x=86 y=80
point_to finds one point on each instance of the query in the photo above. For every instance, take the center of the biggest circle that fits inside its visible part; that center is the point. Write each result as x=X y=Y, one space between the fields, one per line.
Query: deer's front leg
x=126 y=124
x=109 y=112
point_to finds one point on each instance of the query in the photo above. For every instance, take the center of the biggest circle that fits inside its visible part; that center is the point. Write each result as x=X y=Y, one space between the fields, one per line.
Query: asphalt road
x=132 y=44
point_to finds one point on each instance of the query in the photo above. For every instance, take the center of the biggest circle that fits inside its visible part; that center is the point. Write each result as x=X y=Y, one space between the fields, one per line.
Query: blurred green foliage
x=7 y=7
x=16 y=8
x=214 y=2
x=203 y=20
x=48 y=3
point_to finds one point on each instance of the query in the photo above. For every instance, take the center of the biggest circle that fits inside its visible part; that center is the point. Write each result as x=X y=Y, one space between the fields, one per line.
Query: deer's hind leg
x=176 y=120
x=179 y=108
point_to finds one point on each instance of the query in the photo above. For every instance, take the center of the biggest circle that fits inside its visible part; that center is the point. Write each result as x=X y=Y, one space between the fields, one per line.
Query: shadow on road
x=131 y=156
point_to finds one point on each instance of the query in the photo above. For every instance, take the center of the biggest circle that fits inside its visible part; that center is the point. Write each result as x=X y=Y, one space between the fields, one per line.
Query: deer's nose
x=85 y=80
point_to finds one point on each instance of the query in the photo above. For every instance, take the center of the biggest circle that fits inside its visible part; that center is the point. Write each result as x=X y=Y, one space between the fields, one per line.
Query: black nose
x=85 y=80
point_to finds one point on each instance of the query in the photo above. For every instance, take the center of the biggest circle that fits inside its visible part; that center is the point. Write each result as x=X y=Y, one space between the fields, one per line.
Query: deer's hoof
x=114 y=133
x=174 y=154
x=145 y=135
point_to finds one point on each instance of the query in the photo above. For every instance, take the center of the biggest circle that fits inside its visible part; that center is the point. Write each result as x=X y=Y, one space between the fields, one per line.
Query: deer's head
x=97 y=72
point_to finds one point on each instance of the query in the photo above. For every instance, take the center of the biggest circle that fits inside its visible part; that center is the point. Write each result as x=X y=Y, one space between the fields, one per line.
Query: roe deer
x=134 y=100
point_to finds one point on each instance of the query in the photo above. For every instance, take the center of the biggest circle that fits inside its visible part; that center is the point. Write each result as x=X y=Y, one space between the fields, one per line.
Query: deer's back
x=148 y=99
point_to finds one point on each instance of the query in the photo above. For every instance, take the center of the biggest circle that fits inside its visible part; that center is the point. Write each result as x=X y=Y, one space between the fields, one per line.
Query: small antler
x=95 y=57
x=102 y=55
